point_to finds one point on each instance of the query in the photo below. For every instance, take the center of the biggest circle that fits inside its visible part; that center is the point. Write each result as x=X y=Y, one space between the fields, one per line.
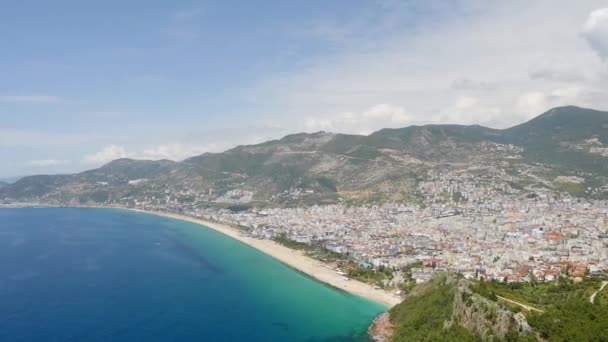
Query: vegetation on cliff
x=449 y=308
x=423 y=315
x=565 y=311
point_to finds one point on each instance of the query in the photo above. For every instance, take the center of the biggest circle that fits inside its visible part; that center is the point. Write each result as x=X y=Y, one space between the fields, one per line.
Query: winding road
x=526 y=307
x=592 y=298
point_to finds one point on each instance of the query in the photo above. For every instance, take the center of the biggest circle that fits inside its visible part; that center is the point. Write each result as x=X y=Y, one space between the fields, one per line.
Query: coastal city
x=480 y=228
x=381 y=170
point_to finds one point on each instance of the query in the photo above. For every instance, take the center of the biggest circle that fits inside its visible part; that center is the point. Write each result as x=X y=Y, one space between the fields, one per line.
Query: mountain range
x=563 y=150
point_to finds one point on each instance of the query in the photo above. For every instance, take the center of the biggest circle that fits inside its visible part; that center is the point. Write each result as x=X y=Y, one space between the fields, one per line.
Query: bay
x=71 y=274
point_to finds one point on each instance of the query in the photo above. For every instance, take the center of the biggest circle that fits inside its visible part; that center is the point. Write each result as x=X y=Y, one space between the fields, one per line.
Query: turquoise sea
x=114 y=275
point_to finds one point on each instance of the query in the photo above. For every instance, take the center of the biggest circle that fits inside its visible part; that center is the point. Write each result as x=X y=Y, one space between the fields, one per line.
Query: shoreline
x=290 y=257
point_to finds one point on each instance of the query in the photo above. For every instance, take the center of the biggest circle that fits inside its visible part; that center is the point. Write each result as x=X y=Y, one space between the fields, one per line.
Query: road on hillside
x=592 y=298
x=527 y=307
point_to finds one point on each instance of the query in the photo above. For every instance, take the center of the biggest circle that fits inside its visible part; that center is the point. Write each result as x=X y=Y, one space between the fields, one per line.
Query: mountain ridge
x=323 y=167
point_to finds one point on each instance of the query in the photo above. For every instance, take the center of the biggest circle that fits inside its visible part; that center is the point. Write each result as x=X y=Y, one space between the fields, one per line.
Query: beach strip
x=293 y=258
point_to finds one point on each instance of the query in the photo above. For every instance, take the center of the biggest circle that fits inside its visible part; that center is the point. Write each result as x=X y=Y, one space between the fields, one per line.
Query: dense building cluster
x=468 y=223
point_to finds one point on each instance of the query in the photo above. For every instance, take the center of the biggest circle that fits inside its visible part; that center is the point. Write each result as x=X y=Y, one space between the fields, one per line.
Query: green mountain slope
x=450 y=308
x=387 y=165
x=565 y=311
x=565 y=137
x=423 y=315
x=560 y=124
x=93 y=185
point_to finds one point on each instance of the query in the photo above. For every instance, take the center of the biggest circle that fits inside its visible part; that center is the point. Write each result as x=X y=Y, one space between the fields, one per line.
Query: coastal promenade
x=294 y=259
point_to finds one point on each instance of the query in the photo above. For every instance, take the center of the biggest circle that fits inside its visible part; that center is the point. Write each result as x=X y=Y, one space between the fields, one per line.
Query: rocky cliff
x=446 y=309
x=483 y=317
x=381 y=329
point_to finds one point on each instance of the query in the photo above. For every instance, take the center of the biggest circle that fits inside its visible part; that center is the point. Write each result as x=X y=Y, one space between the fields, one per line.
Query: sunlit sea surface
x=114 y=275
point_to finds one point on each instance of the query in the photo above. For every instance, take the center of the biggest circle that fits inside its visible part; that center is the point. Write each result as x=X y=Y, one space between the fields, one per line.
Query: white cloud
x=552 y=70
x=468 y=84
x=106 y=155
x=537 y=102
x=484 y=67
x=469 y=110
x=595 y=31
x=175 y=151
x=532 y=102
x=171 y=151
x=47 y=162
x=374 y=118
x=32 y=99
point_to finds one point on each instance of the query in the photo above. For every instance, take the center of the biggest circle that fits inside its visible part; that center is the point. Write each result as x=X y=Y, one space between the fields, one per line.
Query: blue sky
x=82 y=83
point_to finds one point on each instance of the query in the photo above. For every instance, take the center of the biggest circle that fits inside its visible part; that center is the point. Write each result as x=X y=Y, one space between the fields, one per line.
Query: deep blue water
x=113 y=275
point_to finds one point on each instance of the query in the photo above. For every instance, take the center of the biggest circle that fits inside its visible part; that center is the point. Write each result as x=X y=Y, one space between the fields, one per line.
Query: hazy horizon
x=85 y=84
x=16 y=178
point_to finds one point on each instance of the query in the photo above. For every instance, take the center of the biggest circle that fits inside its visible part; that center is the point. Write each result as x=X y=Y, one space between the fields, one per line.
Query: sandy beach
x=295 y=259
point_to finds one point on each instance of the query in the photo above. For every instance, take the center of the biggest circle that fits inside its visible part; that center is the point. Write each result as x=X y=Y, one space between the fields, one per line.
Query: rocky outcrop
x=381 y=329
x=486 y=318
x=449 y=301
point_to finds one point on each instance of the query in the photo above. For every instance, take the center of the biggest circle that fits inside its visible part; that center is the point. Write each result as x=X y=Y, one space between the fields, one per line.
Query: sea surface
x=114 y=275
